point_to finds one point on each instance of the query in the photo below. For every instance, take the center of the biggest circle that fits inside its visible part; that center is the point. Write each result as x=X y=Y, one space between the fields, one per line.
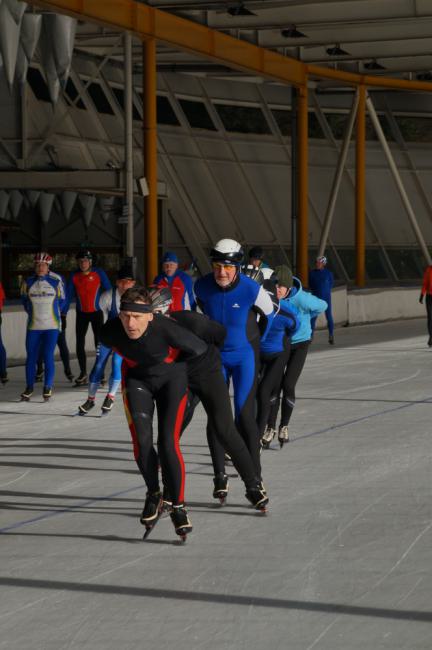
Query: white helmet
x=227 y=250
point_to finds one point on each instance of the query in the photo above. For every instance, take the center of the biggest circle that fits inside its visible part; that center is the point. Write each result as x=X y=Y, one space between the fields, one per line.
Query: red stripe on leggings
x=124 y=369
x=177 y=429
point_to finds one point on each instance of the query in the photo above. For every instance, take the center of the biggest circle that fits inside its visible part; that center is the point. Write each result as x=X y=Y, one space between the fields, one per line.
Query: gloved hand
x=421 y=299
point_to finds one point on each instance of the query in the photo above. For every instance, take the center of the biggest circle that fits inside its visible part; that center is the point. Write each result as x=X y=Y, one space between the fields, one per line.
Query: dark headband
x=141 y=307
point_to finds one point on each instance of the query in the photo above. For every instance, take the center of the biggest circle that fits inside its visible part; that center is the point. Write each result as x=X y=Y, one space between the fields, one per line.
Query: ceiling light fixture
x=336 y=50
x=374 y=65
x=239 y=10
x=292 y=32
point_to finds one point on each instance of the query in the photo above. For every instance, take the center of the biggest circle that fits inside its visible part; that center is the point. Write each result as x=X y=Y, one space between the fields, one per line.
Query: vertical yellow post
x=360 y=219
x=302 y=232
x=150 y=159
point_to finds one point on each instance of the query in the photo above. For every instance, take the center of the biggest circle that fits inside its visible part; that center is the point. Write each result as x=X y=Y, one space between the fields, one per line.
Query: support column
x=338 y=178
x=294 y=178
x=128 y=107
x=360 y=211
x=302 y=231
x=150 y=159
x=401 y=189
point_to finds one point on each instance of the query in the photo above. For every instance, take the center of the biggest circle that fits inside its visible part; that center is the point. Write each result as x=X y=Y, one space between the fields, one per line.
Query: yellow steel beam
x=360 y=212
x=147 y=22
x=150 y=159
x=302 y=228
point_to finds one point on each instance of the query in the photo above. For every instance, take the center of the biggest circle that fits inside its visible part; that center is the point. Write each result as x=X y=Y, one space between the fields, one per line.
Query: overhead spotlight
x=292 y=32
x=239 y=10
x=374 y=65
x=336 y=50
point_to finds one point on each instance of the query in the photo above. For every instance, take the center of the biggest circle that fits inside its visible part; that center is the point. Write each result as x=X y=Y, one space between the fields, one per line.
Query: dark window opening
x=119 y=95
x=71 y=94
x=348 y=258
x=408 y=263
x=38 y=85
x=99 y=99
x=375 y=264
x=415 y=129
x=243 y=119
x=284 y=122
x=165 y=112
x=197 y=114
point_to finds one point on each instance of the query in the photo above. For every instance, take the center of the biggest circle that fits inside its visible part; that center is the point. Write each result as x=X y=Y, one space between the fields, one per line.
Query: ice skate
x=331 y=339
x=47 y=393
x=82 y=380
x=69 y=375
x=26 y=394
x=39 y=375
x=267 y=438
x=220 y=487
x=107 y=405
x=151 y=512
x=180 y=519
x=83 y=409
x=257 y=495
x=283 y=436
x=4 y=379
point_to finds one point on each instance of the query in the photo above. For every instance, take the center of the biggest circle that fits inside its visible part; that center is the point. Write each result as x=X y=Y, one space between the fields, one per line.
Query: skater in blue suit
x=246 y=311
x=274 y=352
x=43 y=297
x=308 y=307
x=321 y=282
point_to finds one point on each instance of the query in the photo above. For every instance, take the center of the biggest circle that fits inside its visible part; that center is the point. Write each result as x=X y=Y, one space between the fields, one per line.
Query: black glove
x=421 y=299
x=63 y=322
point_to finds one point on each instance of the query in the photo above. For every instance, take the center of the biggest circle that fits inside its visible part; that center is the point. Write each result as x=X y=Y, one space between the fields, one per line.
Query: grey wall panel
x=178 y=143
x=239 y=195
x=266 y=152
x=388 y=208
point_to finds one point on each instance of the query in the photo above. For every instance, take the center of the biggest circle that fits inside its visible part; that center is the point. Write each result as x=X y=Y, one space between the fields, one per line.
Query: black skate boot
x=4 y=378
x=151 y=512
x=257 y=495
x=167 y=503
x=220 y=487
x=69 y=375
x=180 y=519
x=47 y=393
x=82 y=380
x=87 y=406
x=107 y=405
x=267 y=438
x=39 y=374
x=331 y=339
x=283 y=436
x=26 y=394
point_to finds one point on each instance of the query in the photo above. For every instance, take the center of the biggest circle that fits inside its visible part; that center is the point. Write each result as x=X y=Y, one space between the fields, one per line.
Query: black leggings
x=271 y=373
x=429 y=313
x=295 y=362
x=83 y=320
x=222 y=434
x=169 y=392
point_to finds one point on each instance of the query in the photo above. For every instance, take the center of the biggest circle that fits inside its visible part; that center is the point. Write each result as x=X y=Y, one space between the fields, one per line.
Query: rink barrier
x=353 y=307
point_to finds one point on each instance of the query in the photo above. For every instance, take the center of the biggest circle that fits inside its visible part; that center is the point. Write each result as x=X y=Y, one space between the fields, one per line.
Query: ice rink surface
x=341 y=562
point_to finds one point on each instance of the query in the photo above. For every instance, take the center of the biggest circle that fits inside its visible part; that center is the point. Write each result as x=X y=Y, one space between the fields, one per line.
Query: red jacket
x=2 y=296
x=427 y=281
